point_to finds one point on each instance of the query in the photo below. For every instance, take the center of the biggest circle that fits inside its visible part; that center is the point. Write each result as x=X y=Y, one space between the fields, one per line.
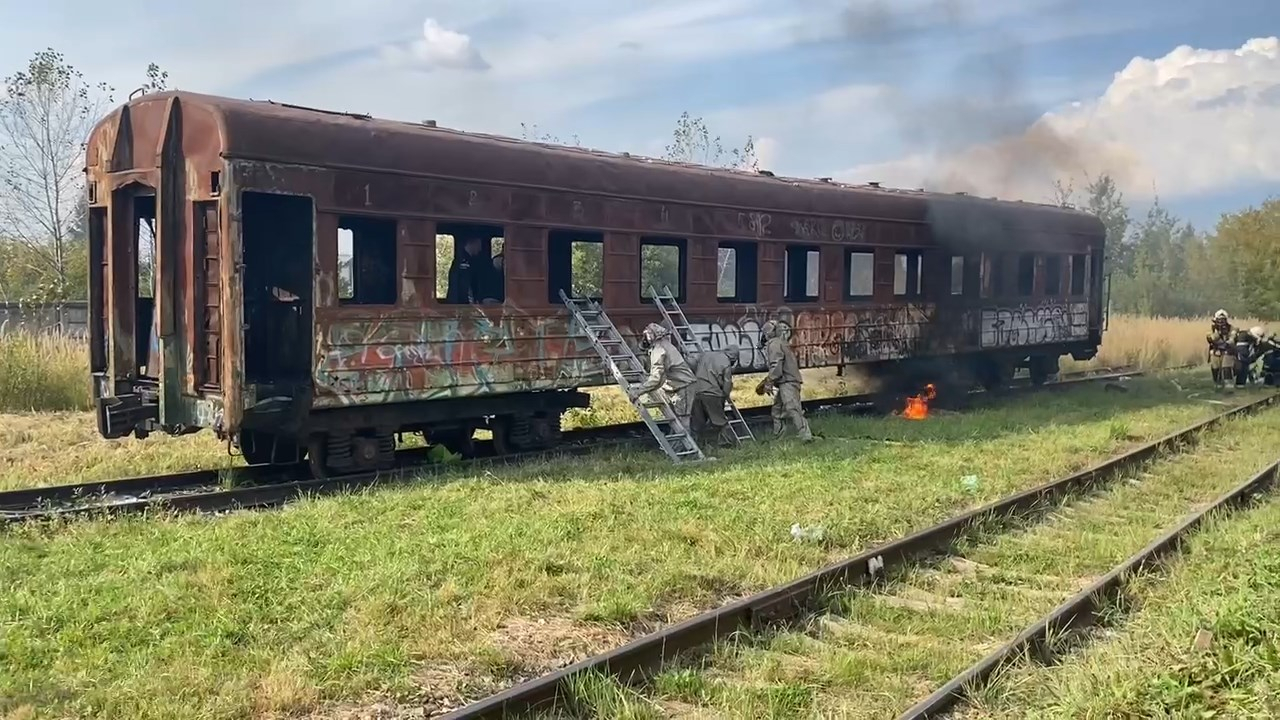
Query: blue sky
x=998 y=97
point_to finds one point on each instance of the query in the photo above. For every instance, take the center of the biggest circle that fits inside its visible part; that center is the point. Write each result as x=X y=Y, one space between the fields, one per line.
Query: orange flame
x=918 y=405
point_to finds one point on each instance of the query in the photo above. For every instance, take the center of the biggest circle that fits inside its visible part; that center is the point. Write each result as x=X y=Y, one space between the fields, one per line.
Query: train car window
x=736 y=272
x=367 y=261
x=907 y=281
x=1077 y=274
x=801 y=266
x=860 y=267
x=992 y=280
x=469 y=264
x=1026 y=274
x=1053 y=275
x=662 y=265
x=957 y=274
x=575 y=264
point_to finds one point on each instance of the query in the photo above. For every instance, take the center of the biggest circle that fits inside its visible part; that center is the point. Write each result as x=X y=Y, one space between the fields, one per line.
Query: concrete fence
x=71 y=318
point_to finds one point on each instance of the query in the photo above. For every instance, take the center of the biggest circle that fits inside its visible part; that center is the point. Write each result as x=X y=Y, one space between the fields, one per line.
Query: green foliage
x=1248 y=244
x=1162 y=266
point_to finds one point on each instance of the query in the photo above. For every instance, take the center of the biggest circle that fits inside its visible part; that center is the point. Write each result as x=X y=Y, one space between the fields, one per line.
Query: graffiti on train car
x=1034 y=324
x=390 y=360
x=823 y=338
x=473 y=353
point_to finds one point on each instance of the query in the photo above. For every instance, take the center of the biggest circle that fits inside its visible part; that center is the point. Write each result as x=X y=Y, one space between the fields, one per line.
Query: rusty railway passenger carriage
x=256 y=328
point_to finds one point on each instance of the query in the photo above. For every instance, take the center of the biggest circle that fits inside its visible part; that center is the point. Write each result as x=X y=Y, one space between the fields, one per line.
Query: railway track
x=231 y=489
x=640 y=659
x=1040 y=639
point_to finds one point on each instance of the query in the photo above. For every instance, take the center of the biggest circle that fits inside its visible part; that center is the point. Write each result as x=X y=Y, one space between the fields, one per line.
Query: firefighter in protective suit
x=668 y=370
x=1247 y=351
x=783 y=381
x=714 y=371
x=1221 y=352
x=1269 y=349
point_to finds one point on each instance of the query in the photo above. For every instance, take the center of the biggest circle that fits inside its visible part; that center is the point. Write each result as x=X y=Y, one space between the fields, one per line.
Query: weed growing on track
x=443 y=591
x=875 y=653
x=1226 y=582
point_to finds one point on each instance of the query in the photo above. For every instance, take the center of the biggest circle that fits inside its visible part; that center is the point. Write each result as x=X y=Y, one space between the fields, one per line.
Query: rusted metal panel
x=231 y=304
x=209 y=296
x=416 y=249
x=171 y=298
x=476 y=351
x=268 y=131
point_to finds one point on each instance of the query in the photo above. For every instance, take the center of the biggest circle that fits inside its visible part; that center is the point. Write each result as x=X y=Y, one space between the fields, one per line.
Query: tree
x=46 y=113
x=1246 y=244
x=1105 y=200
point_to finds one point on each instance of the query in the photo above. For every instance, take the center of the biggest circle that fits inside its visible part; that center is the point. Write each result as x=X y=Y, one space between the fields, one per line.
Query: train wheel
x=994 y=375
x=261 y=448
x=523 y=433
x=460 y=441
x=318 y=455
x=1042 y=368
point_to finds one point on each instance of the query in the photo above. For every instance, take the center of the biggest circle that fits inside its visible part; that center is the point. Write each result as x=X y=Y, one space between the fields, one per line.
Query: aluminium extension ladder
x=655 y=408
x=689 y=346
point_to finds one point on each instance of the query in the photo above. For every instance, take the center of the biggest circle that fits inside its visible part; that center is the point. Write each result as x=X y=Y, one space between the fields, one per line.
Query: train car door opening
x=277 y=237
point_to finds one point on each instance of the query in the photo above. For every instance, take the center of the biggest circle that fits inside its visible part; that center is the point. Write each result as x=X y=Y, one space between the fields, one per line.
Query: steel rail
x=632 y=662
x=275 y=485
x=1083 y=608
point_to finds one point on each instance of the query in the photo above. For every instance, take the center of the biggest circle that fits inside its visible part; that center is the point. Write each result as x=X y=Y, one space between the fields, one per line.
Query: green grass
x=1226 y=582
x=874 y=653
x=440 y=592
x=55 y=448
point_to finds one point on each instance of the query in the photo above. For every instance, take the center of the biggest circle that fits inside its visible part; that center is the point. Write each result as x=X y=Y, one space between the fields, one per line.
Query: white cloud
x=438 y=47
x=1190 y=122
x=767 y=150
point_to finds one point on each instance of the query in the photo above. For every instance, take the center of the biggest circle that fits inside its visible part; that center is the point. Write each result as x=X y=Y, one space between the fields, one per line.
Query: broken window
x=575 y=264
x=1077 y=274
x=861 y=268
x=957 y=274
x=662 y=266
x=469 y=264
x=907 y=280
x=1026 y=274
x=992 y=275
x=144 y=208
x=1053 y=275
x=801 y=266
x=366 y=261
x=736 y=272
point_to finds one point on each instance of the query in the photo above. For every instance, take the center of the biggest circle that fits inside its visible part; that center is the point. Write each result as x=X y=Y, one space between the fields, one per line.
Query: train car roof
x=279 y=132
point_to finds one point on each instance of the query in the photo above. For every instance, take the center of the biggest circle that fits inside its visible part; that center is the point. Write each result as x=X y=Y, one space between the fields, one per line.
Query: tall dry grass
x=1154 y=342
x=43 y=372
x=51 y=372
